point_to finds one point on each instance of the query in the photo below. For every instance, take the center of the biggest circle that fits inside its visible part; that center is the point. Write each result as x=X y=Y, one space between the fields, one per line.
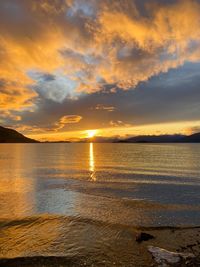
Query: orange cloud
x=70 y=119
x=14 y=96
x=7 y=115
x=54 y=127
x=67 y=119
x=140 y=47
x=93 y=43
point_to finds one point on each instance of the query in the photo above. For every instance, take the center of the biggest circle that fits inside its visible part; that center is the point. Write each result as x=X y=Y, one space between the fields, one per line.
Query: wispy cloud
x=119 y=123
x=104 y=107
x=67 y=119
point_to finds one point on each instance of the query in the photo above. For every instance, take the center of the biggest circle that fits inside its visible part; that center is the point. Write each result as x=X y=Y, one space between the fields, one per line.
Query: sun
x=91 y=133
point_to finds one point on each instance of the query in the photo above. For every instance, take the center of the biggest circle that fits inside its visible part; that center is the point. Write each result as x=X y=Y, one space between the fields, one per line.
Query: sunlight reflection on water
x=97 y=180
x=76 y=200
x=92 y=163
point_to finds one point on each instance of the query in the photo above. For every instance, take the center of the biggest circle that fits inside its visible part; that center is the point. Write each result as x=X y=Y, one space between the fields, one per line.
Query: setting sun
x=91 y=133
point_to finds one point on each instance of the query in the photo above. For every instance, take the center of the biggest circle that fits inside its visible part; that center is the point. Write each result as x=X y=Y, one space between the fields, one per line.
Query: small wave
x=71 y=220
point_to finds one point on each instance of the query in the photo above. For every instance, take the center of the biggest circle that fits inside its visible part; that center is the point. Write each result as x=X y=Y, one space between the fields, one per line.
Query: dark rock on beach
x=143 y=237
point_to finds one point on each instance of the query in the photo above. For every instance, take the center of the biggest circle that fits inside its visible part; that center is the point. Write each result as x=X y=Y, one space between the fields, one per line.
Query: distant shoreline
x=8 y=135
x=68 y=142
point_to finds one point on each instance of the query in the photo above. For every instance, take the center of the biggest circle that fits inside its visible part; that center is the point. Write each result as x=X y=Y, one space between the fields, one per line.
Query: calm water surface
x=80 y=200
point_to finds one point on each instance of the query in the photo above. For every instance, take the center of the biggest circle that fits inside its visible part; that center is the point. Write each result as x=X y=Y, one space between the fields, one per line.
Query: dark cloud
x=47 y=77
x=169 y=97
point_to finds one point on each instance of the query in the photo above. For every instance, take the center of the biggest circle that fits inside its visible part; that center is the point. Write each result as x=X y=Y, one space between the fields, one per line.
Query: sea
x=76 y=204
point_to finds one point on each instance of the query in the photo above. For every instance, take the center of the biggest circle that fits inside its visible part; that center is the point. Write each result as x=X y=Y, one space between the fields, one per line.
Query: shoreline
x=182 y=240
x=120 y=239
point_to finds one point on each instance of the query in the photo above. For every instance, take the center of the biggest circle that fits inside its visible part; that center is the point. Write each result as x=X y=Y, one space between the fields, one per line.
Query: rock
x=167 y=258
x=143 y=237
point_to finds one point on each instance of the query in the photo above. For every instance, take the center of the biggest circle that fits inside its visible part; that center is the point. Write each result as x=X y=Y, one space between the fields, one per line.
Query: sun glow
x=91 y=133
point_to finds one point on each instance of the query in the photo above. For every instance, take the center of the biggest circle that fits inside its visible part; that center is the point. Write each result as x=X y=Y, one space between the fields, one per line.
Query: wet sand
x=119 y=248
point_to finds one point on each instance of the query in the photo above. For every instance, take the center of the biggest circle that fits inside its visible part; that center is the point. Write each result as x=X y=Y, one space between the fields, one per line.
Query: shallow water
x=80 y=200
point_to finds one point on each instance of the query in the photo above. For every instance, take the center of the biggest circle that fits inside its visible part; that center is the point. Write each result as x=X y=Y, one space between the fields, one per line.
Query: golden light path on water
x=92 y=163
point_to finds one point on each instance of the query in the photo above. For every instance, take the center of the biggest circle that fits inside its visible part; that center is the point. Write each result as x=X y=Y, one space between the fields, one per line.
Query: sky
x=116 y=67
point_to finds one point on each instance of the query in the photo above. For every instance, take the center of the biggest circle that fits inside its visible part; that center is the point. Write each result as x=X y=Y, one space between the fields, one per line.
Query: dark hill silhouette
x=11 y=136
x=153 y=139
x=194 y=138
x=177 y=138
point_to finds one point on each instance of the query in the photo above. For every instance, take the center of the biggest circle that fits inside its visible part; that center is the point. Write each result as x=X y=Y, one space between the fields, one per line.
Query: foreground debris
x=168 y=258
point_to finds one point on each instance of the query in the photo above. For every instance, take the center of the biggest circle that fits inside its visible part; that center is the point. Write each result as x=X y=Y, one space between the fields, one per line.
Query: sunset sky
x=117 y=67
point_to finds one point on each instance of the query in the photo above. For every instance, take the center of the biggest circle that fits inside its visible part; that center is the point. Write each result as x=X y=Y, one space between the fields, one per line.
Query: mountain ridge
x=176 y=138
x=8 y=135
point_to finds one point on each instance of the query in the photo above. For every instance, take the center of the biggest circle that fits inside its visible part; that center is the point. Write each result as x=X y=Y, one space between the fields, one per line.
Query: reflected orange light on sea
x=92 y=162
